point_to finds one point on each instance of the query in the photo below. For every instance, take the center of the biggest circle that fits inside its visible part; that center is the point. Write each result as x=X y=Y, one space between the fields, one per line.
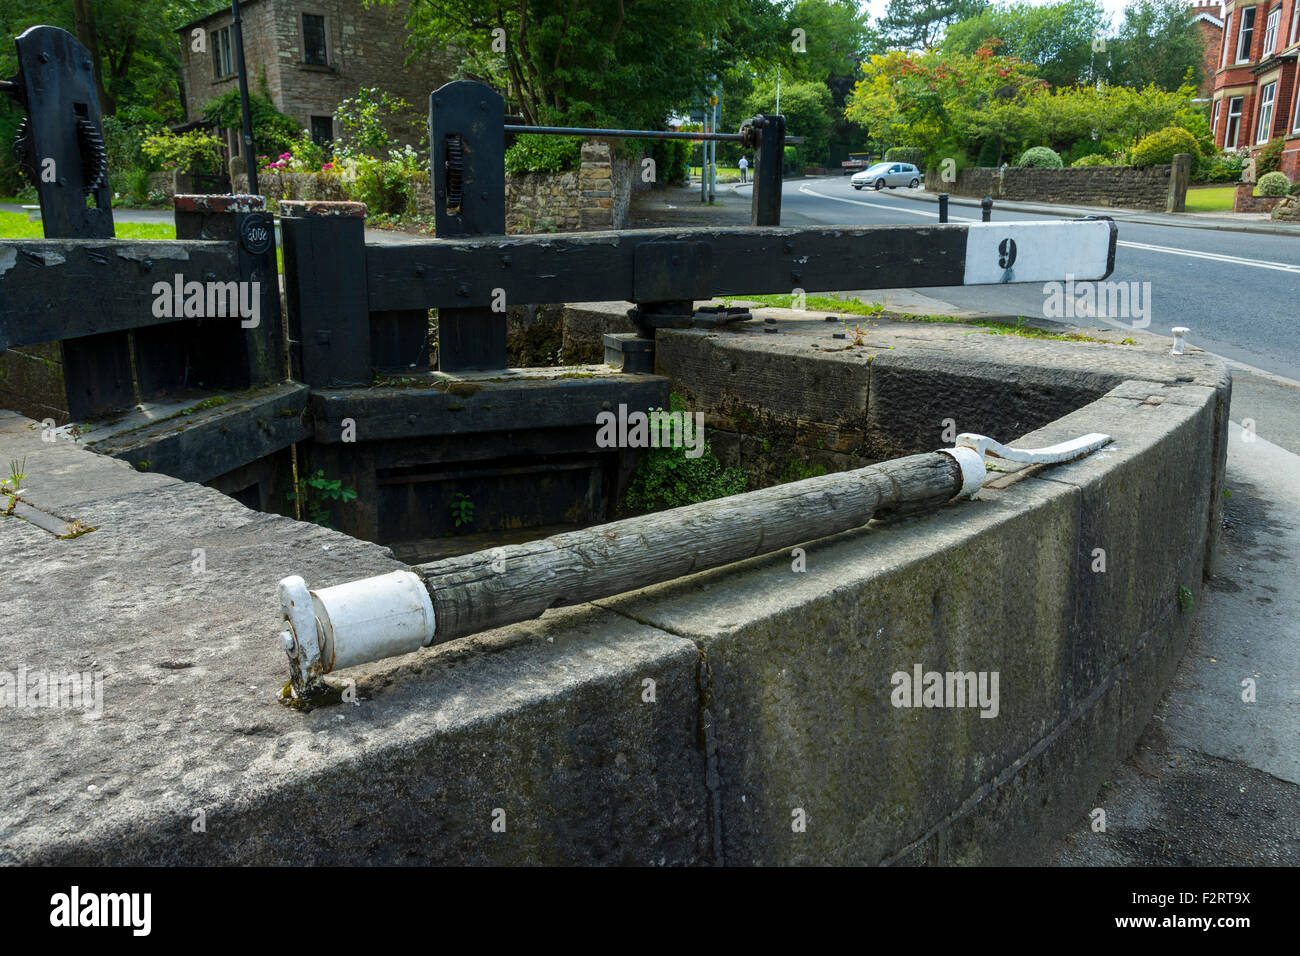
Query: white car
x=887 y=174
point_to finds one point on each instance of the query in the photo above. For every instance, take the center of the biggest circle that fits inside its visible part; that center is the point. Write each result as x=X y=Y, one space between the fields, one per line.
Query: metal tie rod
x=373 y=618
x=634 y=133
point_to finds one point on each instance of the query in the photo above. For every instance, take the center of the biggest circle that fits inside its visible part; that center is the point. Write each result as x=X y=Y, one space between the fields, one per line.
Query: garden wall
x=1125 y=186
x=593 y=197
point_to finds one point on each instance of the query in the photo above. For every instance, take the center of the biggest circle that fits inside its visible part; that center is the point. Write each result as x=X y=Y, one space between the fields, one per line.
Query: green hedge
x=1161 y=147
x=538 y=153
x=906 y=154
x=1273 y=184
x=1041 y=157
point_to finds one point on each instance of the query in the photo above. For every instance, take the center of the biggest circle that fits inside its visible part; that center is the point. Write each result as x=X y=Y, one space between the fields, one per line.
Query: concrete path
x=1216 y=778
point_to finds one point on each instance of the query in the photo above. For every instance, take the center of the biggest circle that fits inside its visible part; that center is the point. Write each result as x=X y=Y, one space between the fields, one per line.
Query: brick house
x=1255 y=85
x=308 y=55
x=1208 y=17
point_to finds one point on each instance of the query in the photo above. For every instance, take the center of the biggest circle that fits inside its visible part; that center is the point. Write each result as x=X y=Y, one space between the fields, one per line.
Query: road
x=1239 y=293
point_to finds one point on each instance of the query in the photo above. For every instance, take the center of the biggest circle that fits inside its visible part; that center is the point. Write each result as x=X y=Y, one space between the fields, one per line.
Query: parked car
x=887 y=174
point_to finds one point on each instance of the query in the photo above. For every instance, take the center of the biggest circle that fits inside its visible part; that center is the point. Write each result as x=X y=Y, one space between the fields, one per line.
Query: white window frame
x=1271 y=26
x=223 y=53
x=1245 y=35
x=1227 y=41
x=1295 y=123
x=1214 y=123
x=1267 y=103
x=1233 y=116
x=1295 y=20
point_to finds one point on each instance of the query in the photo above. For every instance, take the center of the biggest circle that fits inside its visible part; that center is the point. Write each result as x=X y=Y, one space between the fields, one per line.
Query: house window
x=1266 y=96
x=1296 y=123
x=1214 y=123
x=1227 y=39
x=1270 y=31
x=313 y=40
x=322 y=130
x=1247 y=34
x=1295 y=17
x=223 y=57
x=1234 y=123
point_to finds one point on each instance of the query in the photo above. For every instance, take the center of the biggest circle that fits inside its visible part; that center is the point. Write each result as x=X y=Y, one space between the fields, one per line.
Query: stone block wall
x=364 y=46
x=1125 y=186
x=595 y=196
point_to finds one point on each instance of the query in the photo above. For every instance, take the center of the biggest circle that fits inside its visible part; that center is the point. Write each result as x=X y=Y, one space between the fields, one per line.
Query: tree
x=595 y=62
x=134 y=48
x=918 y=24
x=1158 y=43
x=1056 y=38
x=807 y=107
x=934 y=100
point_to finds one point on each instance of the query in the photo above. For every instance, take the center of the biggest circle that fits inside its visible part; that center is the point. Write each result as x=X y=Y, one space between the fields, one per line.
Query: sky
x=1114 y=7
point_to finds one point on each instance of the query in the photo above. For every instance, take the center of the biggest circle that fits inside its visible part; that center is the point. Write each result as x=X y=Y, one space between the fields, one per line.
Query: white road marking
x=1147 y=247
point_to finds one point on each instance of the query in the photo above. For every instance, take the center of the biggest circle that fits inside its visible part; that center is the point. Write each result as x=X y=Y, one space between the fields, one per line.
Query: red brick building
x=1255 y=84
x=1208 y=17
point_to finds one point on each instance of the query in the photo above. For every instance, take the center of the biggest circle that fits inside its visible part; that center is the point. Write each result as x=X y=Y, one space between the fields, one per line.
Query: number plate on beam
x=999 y=252
x=663 y=271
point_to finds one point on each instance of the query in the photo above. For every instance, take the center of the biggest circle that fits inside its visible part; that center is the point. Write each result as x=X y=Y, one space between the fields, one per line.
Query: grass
x=1210 y=199
x=826 y=303
x=14 y=225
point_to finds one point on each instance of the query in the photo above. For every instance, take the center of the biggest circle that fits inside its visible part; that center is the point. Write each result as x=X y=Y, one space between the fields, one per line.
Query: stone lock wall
x=1125 y=186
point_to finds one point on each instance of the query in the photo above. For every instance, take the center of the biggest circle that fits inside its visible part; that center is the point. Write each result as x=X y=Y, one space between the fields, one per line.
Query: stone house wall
x=364 y=47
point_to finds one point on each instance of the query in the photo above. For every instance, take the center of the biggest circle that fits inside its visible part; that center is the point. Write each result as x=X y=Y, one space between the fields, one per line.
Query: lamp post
x=250 y=160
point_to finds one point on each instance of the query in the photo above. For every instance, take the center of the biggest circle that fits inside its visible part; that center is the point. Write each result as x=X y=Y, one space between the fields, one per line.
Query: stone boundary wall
x=1123 y=186
x=772 y=688
x=596 y=196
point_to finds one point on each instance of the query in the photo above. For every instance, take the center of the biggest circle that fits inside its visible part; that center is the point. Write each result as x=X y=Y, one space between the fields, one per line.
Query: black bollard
x=986 y=209
x=943 y=207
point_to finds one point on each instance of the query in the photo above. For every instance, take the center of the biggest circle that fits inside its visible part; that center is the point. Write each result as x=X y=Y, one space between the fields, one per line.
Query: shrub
x=537 y=153
x=384 y=185
x=1222 y=168
x=1092 y=159
x=1269 y=159
x=364 y=121
x=273 y=132
x=906 y=154
x=1160 y=147
x=792 y=161
x=1295 y=189
x=193 y=152
x=671 y=156
x=1273 y=184
x=990 y=153
x=1082 y=148
x=1041 y=157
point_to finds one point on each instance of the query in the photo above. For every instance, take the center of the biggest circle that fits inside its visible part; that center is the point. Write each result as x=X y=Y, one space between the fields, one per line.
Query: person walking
x=744 y=170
